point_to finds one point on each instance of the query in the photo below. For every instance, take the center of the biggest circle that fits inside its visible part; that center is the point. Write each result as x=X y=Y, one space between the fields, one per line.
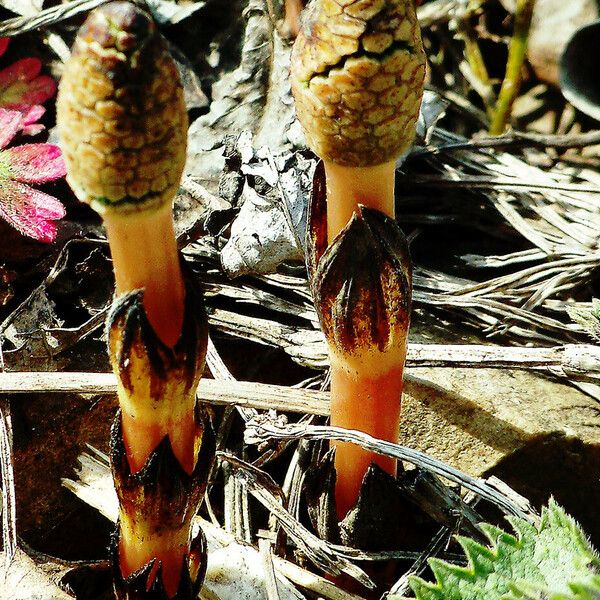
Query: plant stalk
x=347 y=187
x=293 y=9
x=366 y=397
x=358 y=71
x=144 y=253
x=364 y=389
x=514 y=67
x=123 y=126
x=139 y=546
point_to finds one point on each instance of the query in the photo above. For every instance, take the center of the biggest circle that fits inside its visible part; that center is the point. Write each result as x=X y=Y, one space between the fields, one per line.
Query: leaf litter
x=248 y=192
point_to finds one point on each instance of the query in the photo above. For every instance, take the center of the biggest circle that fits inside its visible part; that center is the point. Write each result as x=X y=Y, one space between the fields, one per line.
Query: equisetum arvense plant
x=358 y=69
x=123 y=129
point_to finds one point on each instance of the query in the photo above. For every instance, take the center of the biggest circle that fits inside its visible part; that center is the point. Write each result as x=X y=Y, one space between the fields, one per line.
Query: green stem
x=476 y=63
x=516 y=56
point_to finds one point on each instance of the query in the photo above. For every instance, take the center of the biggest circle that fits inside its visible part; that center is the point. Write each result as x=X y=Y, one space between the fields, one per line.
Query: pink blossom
x=30 y=211
x=22 y=91
x=22 y=88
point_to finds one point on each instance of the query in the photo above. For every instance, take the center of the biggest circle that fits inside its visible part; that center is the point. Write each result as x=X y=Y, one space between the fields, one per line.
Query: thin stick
x=246 y=394
x=260 y=432
x=578 y=361
x=495 y=182
x=47 y=17
x=7 y=478
x=519 y=139
x=437 y=12
x=266 y=552
x=475 y=61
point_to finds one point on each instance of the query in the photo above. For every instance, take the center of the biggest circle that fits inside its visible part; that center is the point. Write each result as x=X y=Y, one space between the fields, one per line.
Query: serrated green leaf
x=584 y=591
x=553 y=561
x=589 y=590
x=588 y=318
x=481 y=558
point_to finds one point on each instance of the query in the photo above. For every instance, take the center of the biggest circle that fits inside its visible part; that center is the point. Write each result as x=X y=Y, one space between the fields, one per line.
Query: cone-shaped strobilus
x=123 y=128
x=358 y=70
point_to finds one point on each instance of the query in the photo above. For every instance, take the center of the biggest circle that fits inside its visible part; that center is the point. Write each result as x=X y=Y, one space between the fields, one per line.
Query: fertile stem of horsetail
x=358 y=69
x=293 y=8
x=123 y=128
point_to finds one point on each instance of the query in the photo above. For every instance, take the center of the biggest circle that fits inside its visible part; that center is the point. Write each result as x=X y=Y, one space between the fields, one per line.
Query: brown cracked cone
x=123 y=131
x=121 y=115
x=358 y=69
x=123 y=128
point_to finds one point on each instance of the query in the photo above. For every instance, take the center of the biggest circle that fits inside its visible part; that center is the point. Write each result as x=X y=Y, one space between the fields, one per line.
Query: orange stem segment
x=366 y=399
x=293 y=9
x=142 y=434
x=347 y=187
x=144 y=253
x=365 y=391
x=357 y=77
x=137 y=547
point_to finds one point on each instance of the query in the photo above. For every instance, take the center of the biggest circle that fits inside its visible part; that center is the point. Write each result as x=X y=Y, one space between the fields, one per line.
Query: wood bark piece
x=577 y=361
x=241 y=393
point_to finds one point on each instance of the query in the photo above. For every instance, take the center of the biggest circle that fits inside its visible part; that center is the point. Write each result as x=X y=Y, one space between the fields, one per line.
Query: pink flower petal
x=21 y=85
x=3 y=45
x=32 y=114
x=35 y=163
x=25 y=69
x=30 y=211
x=10 y=123
x=20 y=95
x=33 y=129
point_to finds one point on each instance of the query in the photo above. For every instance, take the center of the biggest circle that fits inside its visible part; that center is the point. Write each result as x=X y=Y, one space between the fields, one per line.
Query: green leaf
x=588 y=318
x=553 y=561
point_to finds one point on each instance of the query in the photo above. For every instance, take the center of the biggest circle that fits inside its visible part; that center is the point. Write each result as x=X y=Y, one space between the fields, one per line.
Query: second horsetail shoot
x=123 y=129
x=358 y=70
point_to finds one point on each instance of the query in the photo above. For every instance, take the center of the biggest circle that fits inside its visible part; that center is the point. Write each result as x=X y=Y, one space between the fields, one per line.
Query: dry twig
x=260 y=431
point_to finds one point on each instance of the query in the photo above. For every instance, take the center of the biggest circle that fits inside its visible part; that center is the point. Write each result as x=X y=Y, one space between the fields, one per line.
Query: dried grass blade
x=9 y=504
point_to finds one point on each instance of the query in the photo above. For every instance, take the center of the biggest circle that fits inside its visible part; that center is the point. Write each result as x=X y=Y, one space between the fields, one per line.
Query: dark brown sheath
x=161 y=496
x=362 y=282
x=164 y=496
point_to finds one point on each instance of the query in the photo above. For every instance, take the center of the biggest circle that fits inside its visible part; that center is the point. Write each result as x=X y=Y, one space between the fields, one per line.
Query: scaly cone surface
x=122 y=118
x=358 y=71
x=123 y=128
x=357 y=76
